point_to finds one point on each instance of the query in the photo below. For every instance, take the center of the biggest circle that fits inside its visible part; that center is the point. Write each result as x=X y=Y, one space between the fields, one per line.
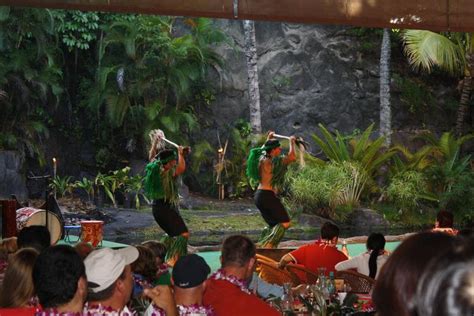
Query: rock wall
x=12 y=179
x=309 y=74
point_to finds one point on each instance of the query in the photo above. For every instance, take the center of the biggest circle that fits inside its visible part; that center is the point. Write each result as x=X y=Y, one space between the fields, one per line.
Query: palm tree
x=252 y=71
x=385 y=109
x=146 y=71
x=452 y=52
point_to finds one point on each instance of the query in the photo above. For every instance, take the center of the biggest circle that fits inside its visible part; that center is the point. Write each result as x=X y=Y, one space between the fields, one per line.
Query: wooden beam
x=438 y=15
x=204 y=8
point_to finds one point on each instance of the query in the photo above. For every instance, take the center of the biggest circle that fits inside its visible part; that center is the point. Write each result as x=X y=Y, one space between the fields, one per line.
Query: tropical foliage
x=451 y=52
x=30 y=78
x=434 y=176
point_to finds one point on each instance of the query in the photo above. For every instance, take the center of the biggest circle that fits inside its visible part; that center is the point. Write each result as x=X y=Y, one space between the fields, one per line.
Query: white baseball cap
x=104 y=266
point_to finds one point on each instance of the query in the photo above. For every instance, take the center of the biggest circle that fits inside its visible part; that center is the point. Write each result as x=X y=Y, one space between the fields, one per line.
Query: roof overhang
x=437 y=15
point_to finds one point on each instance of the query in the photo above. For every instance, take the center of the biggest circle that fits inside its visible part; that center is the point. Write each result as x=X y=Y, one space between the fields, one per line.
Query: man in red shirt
x=226 y=290
x=321 y=254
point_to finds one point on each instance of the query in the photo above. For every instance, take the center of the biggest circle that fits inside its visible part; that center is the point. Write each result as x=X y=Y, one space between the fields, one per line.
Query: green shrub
x=332 y=190
x=61 y=185
x=406 y=189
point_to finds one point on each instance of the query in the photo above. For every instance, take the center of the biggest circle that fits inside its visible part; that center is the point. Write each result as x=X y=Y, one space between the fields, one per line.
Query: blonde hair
x=17 y=288
x=8 y=245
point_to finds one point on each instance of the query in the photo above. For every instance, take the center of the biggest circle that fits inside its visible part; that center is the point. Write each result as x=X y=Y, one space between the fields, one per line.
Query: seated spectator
x=34 y=236
x=110 y=283
x=226 y=290
x=60 y=280
x=144 y=274
x=145 y=265
x=321 y=254
x=7 y=247
x=395 y=287
x=189 y=274
x=163 y=275
x=444 y=223
x=83 y=248
x=17 y=289
x=447 y=285
x=370 y=262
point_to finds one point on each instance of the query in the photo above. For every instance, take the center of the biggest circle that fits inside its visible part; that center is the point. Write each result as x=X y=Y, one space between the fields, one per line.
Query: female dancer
x=161 y=186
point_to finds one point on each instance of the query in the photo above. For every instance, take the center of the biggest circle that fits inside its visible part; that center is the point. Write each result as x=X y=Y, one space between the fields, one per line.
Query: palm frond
x=426 y=49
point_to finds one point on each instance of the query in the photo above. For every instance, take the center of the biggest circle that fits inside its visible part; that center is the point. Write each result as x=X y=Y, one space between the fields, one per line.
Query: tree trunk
x=252 y=71
x=465 y=95
x=385 y=109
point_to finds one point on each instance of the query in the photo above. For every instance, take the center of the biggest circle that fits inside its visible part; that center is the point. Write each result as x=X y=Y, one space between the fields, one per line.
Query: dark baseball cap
x=190 y=271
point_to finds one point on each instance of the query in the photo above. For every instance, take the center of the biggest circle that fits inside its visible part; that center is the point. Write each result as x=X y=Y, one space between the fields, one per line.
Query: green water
x=212 y=257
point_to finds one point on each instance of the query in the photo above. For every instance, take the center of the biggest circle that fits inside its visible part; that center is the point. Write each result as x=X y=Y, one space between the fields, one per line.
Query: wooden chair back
x=300 y=274
x=265 y=258
x=358 y=282
x=271 y=273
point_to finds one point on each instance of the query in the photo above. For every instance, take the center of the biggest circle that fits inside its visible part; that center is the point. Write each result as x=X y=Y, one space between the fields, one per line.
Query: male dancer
x=267 y=166
x=161 y=186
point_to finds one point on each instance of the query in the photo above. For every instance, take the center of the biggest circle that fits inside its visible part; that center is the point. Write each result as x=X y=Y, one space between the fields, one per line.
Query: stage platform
x=74 y=239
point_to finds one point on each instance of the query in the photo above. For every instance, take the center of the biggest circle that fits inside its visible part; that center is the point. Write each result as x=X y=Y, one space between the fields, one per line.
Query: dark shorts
x=168 y=218
x=273 y=212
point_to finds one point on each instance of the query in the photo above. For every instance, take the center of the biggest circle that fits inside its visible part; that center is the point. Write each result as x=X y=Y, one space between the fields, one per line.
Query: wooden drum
x=28 y=216
x=92 y=231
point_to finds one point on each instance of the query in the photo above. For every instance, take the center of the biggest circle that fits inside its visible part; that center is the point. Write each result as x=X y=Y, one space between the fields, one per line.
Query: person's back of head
x=158 y=249
x=445 y=219
x=17 y=287
x=396 y=284
x=8 y=245
x=57 y=274
x=145 y=264
x=329 y=231
x=237 y=250
x=190 y=271
x=34 y=236
x=375 y=243
x=447 y=285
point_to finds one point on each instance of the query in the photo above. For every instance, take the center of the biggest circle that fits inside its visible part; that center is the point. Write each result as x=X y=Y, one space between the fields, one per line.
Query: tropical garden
x=103 y=81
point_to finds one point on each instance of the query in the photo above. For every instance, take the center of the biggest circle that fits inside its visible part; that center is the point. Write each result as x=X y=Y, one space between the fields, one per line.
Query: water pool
x=213 y=260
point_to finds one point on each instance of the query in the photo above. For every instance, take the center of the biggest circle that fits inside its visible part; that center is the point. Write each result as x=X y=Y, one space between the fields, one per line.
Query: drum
x=91 y=231
x=28 y=216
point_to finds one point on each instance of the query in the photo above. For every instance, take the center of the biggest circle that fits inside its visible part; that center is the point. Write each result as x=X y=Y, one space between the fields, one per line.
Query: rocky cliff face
x=308 y=74
x=12 y=179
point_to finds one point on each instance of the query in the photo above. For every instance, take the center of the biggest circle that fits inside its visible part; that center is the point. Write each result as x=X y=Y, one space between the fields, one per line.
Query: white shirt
x=361 y=263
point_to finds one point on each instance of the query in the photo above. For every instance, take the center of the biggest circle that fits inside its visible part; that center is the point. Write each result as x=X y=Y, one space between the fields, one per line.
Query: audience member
x=145 y=265
x=226 y=290
x=110 y=283
x=7 y=247
x=17 y=289
x=395 y=287
x=34 y=236
x=60 y=280
x=370 y=262
x=447 y=285
x=144 y=274
x=444 y=223
x=321 y=254
x=189 y=274
x=159 y=250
